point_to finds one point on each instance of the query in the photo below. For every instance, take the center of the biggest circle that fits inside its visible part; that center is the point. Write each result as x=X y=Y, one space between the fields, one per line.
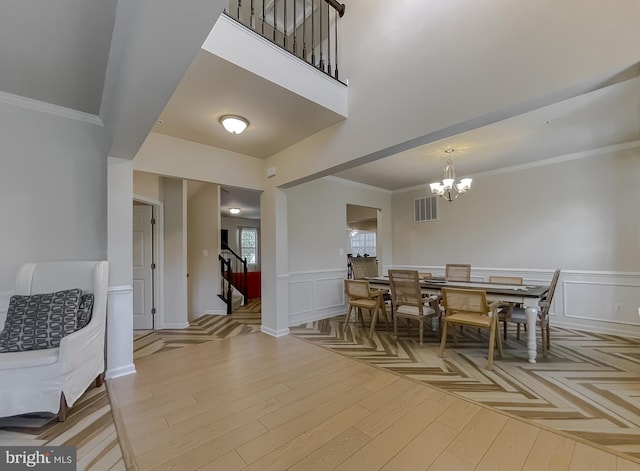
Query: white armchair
x=51 y=380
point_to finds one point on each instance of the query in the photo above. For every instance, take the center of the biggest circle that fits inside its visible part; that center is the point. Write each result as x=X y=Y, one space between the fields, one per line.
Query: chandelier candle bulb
x=448 y=189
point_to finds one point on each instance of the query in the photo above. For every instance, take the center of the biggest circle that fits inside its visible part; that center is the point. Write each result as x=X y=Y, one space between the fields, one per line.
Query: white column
x=275 y=262
x=120 y=255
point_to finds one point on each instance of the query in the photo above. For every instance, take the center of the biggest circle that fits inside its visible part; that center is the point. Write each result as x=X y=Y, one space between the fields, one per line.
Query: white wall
x=147 y=184
x=580 y=216
x=53 y=190
x=166 y=155
x=203 y=234
x=175 y=254
x=316 y=215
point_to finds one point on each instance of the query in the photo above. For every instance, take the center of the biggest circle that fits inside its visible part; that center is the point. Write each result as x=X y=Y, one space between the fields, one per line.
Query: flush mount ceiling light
x=448 y=189
x=234 y=124
x=234 y=210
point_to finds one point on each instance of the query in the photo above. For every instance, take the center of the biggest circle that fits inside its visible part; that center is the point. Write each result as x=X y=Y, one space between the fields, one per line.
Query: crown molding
x=42 y=107
x=541 y=163
x=562 y=158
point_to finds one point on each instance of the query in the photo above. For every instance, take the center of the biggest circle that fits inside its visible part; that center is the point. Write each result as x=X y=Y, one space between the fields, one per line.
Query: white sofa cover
x=33 y=381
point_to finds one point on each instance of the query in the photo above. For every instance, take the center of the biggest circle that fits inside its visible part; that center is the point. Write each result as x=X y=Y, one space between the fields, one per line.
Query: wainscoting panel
x=119 y=331
x=316 y=295
x=300 y=297
x=593 y=301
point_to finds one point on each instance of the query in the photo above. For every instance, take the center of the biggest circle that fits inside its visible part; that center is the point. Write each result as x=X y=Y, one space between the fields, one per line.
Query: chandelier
x=448 y=189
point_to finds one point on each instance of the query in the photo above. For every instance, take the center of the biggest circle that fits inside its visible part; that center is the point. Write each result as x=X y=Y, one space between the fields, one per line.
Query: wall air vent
x=425 y=209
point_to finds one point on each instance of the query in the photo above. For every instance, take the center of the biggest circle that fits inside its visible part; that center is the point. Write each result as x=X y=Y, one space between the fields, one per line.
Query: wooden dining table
x=527 y=295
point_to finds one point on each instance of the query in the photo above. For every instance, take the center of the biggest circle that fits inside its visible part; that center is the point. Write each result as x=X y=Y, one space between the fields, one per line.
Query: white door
x=142 y=267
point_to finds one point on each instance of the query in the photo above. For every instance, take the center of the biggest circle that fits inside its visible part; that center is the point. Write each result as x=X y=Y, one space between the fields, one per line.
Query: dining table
x=526 y=294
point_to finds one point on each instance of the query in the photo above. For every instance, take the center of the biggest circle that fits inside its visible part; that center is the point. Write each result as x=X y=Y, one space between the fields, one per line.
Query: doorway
x=362 y=234
x=147 y=264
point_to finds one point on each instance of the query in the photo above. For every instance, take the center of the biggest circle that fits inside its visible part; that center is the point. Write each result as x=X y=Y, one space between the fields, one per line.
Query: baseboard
x=120 y=371
x=274 y=333
x=174 y=325
x=619 y=331
x=214 y=312
x=306 y=317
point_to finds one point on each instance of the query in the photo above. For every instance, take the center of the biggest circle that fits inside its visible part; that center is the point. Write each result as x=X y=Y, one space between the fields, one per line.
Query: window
x=249 y=244
x=364 y=242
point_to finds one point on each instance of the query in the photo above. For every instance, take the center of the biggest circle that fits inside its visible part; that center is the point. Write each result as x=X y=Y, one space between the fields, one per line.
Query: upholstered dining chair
x=506 y=309
x=360 y=296
x=519 y=316
x=457 y=272
x=408 y=302
x=469 y=307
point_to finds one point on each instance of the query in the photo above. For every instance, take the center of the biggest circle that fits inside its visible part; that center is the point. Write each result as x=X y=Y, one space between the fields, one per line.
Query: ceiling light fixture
x=448 y=189
x=234 y=124
x=234 y=210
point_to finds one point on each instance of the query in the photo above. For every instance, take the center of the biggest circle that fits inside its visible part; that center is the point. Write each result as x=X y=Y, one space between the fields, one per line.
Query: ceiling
x=214 y=87
x=59 y=56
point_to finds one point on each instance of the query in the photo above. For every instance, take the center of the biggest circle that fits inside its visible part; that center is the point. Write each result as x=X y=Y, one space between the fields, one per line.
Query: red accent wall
x=253 y=283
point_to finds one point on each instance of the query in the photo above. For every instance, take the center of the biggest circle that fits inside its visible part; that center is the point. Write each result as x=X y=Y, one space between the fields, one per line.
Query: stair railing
x=226 y=287
x=286 y=23
x=233 y=270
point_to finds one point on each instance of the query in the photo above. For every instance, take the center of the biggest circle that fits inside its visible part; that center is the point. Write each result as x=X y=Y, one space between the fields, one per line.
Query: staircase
x=233 y=278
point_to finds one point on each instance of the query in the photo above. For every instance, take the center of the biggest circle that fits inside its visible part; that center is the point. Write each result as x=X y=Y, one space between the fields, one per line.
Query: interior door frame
x=157 y=230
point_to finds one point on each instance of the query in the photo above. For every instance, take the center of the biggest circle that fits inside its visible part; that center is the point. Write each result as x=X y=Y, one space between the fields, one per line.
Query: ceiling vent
x=425 y=209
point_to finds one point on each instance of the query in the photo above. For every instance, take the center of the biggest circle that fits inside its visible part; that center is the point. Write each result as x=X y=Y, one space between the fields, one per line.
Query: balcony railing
x=306 y=28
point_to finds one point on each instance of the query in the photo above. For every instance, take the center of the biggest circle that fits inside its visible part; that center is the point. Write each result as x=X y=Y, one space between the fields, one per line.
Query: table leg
x=532 y=317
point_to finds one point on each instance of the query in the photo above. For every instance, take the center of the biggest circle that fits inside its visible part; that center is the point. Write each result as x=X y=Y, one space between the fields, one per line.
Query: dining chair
x=519 y=315
x=364 y=267
x=457 y=272
x=408 y=302
x=360 y=296
x=506 y=309
x=469 y=307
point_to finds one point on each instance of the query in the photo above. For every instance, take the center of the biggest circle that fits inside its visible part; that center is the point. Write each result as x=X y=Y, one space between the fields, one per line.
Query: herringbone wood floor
x=588 y=386
x=89 y=427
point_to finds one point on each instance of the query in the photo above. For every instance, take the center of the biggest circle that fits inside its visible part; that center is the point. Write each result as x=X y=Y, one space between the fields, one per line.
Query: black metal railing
x=233 y=274
x=289 y=23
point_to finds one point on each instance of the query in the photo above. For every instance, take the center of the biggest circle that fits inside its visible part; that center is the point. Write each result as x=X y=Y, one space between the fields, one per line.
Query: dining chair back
x=506 y=280
x=506 y=309
x=408 y=302
x=457 y=272
x=363 y=267
x=469 y=307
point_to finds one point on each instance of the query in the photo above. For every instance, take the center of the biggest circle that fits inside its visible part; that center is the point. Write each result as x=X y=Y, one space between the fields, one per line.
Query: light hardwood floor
x=253 y=402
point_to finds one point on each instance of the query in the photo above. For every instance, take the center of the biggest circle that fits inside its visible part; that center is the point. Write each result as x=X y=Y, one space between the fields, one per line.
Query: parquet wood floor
x=588 y=387
x=89 y=427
